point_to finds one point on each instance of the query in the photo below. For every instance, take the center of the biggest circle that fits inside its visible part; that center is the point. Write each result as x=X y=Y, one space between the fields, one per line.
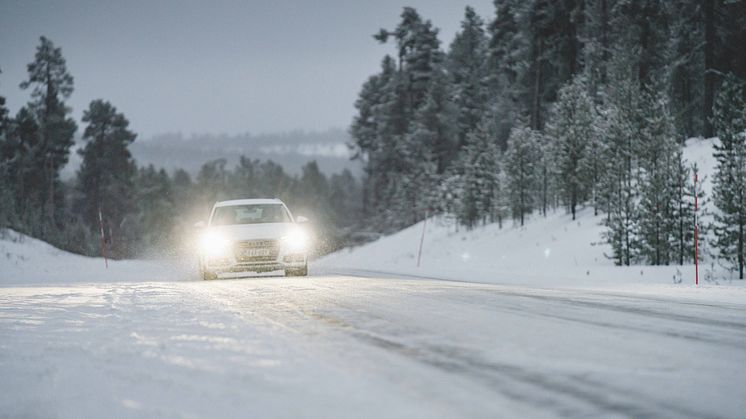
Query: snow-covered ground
x=142 y=339
x=547 y=251
x=25 y=260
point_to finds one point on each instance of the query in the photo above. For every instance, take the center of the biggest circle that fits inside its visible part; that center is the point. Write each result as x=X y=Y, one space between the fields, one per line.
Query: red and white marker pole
x=422 y=238
x=696 y=232
x=103 y=238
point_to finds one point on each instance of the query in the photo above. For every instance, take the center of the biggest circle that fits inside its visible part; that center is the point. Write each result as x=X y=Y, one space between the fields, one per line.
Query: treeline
x=139 y=209
x=561 y=104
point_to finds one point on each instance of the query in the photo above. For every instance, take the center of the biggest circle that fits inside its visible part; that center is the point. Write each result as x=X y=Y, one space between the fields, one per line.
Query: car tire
x=297 y=272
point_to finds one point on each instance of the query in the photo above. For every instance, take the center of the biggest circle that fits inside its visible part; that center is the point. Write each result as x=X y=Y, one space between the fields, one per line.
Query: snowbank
x=25 y=260
x=545 y=252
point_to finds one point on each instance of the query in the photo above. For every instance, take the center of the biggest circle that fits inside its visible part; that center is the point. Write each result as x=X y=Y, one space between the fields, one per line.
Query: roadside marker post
x=696 y=232
x=422 y=237
x=103 y=239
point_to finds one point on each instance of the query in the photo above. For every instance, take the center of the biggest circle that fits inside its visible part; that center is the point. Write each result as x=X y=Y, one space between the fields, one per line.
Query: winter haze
x=225 y=67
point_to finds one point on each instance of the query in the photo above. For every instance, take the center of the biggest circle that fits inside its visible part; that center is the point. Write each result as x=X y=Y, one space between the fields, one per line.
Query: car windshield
x=250 y=214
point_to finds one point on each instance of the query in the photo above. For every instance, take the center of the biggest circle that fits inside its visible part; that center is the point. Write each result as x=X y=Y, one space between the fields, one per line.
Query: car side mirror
x=301 y=219
x=199 y=224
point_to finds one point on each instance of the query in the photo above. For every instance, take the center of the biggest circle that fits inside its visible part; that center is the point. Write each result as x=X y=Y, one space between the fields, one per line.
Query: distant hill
x=291 y=149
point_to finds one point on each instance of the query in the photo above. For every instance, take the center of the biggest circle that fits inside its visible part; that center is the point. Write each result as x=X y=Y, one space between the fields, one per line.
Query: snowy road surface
x=345 y=346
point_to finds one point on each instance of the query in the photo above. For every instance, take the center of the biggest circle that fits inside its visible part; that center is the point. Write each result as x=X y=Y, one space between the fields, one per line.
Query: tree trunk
x=604 y=40
x=544 y=190
x=709 y=93
x=536 y=102
x=740 y=249
x=573 y=202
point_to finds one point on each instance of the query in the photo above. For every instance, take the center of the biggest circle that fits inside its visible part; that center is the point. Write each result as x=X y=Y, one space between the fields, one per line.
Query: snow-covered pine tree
x=480 y=163
x=682 y=241
x=729 y=182
x=684 y=64
x=381 y=117
x=415 y=186
x=435 y=125
x=658 y=192
x=8 y=151
x=571 y=129
x=466 y=65
x=507 y=51
x=593 y=163
x=419 y=52
x=427 y=150
x=597 y=38
x=618 y=186
x=546 y=171
x=521 y=158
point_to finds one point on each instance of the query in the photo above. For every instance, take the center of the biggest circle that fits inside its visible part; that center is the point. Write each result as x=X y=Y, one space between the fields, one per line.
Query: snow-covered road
x=354 y=346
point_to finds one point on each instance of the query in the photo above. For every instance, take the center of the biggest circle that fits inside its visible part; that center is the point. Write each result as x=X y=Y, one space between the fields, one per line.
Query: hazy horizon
x=257 y=67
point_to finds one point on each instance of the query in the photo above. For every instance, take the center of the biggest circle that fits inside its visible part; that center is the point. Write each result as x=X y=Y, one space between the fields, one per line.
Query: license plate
x=256 y=252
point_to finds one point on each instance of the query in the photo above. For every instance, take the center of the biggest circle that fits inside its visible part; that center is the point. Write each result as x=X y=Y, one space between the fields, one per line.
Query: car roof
x=248 y=202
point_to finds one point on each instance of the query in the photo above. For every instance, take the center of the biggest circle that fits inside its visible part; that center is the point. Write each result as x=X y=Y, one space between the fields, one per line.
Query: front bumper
x=236 y=260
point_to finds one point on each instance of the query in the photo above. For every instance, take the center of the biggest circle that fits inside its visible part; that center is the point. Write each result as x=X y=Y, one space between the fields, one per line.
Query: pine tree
x=466 y=64
x=153 y=221
x=51 y=84
x=382 y=120
x=435 y=125
x=572 y=131
x=682 y=242
x=598 y=39
x=619 y=183
x=658 y=193
x=419 y=52
x=645 y=32
x=313 y=188
x=345 y=199
x=729 y=182
x=211 y=182
x=8 y=150
x=547 y=168
x=507 y=52
x=24 y=169
x=481 y=175
x=106 y=176
x=685 y=61
x=520 y=168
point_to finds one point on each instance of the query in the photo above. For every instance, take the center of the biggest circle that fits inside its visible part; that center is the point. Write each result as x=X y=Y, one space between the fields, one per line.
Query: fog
x=219 y=67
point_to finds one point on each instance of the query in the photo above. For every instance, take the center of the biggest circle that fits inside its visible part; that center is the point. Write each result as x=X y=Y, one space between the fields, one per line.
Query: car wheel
x=297 y=272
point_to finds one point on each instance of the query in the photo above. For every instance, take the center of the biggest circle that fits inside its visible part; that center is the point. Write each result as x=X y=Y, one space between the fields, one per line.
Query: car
x=252 y=235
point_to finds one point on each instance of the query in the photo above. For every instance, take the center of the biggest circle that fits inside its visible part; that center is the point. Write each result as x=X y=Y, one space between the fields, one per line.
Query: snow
x=25 y=260
x=341 y=346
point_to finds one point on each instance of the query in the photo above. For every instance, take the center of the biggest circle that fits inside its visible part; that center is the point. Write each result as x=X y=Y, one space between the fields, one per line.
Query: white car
x=252 y=235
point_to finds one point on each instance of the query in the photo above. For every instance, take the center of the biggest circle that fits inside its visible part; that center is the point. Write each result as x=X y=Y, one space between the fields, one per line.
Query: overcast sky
x=230 y=67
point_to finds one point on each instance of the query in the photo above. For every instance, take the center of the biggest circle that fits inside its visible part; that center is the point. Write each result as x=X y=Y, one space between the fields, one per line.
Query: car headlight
x=213 y=244
x=295 y=241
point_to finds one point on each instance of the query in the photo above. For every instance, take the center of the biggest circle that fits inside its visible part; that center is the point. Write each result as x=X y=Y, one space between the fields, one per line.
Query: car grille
x=270 y=247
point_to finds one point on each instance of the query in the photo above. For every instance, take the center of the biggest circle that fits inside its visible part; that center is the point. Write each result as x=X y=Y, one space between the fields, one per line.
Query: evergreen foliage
x=105 y=180
x=572 y=132
x=729 y=183
x=522 y=180
x=51 y=83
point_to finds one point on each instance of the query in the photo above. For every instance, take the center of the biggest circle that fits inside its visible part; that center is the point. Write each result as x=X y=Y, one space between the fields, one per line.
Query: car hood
x=266 y=231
